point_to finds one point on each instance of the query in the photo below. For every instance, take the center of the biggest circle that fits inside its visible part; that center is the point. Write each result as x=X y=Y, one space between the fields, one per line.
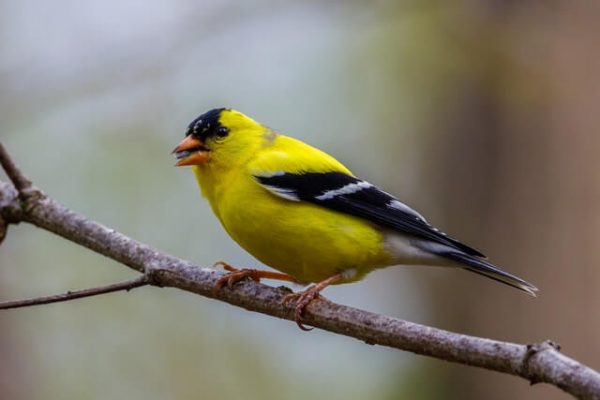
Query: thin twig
x=3 y=229
x=76 y=294
x=541 y=362
x=13 y=172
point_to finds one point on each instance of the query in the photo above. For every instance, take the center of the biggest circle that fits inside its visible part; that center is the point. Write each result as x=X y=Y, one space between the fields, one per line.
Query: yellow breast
x=298 y=238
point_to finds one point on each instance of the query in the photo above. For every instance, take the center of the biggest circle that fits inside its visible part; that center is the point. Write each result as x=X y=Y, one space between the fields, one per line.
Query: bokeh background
x=480 y=114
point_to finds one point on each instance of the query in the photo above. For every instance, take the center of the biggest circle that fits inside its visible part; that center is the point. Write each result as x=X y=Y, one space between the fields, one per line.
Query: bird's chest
x=301 y=239
x=247 y=213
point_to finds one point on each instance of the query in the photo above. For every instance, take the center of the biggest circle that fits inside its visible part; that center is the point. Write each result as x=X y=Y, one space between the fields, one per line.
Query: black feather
x=366 y=202
x=206 y=125
x=489 y=270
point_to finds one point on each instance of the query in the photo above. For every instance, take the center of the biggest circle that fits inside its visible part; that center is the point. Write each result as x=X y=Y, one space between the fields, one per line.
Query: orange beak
x=191 y=151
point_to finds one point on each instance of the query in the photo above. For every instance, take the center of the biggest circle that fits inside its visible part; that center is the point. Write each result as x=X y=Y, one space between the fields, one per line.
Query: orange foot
x=235 y=275
x=304 y=298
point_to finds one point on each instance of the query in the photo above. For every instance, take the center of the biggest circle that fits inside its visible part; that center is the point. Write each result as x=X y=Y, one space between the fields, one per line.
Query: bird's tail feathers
x=482 y=267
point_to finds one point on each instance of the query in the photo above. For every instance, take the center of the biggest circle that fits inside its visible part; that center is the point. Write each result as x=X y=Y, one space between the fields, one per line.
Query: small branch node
x=534 y=349
x=30 y=198
x=153 y=276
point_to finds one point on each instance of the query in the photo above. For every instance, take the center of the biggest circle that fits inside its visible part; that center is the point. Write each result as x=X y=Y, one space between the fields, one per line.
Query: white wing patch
x=285 y=193
x=269 y=174
x=346 y=189
x=398 y=205
x=288 y=194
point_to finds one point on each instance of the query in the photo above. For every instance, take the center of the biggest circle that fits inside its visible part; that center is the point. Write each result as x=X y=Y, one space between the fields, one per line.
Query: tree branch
x=13 y=172
x=540 y=362
x=76 y=294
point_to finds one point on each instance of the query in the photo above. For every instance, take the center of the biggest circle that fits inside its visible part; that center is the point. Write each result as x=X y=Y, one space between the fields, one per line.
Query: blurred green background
x=480 y=114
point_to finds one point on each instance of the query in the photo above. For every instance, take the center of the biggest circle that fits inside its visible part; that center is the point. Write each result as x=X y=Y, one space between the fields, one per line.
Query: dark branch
x=540 y=362
x=3 y=228
x=76 y=294
x=12 y=171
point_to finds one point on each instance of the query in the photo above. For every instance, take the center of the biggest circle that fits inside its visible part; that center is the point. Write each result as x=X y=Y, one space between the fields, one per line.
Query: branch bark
x=76 y=294
x=541 y=362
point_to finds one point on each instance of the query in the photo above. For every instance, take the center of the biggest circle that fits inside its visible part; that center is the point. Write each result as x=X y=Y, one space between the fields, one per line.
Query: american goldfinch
x=301 y=212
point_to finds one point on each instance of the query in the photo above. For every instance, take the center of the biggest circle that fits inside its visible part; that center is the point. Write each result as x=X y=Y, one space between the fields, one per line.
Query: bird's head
x=221 y=135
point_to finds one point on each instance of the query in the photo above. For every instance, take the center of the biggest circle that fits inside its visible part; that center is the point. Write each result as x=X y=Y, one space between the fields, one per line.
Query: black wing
x=347 y=194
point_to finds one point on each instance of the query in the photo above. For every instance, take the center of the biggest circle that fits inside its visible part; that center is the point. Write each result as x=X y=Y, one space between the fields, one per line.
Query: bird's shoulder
x=285 y=154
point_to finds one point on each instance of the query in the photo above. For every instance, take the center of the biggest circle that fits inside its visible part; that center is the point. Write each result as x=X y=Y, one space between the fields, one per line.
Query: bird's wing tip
x=530 y=290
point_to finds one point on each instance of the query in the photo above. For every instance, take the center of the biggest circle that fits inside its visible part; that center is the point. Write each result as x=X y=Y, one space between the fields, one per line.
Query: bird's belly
x=304 y=240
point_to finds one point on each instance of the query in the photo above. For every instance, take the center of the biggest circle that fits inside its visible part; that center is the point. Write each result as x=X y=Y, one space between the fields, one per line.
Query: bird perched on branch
x=301 y=212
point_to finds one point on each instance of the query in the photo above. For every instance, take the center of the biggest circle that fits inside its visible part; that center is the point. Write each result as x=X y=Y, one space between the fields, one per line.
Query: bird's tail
x=482 y=267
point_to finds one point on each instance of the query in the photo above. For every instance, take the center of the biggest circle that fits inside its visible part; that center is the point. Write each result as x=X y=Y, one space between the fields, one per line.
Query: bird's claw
x=226 y=266
x=233 y=276
x=302 y=300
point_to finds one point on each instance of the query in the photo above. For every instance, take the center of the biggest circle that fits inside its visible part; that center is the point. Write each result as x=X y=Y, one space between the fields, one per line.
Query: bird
x=301 y=212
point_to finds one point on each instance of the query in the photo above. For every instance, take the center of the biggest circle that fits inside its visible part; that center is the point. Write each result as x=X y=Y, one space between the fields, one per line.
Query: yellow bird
x=301 y=212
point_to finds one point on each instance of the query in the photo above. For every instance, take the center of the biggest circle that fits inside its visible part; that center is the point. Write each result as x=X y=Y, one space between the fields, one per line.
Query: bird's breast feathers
x=302 y=239
x=316 y=213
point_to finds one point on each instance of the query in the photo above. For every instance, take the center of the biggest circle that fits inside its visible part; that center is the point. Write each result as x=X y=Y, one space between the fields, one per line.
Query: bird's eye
x=222 y=132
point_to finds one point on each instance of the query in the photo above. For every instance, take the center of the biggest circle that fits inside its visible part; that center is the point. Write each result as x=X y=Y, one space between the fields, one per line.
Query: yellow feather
x=301 y=238
x=309 y=242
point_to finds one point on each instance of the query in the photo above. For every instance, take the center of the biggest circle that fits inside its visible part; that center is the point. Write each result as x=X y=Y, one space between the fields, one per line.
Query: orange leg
x=235 y=275
x=304 y=298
